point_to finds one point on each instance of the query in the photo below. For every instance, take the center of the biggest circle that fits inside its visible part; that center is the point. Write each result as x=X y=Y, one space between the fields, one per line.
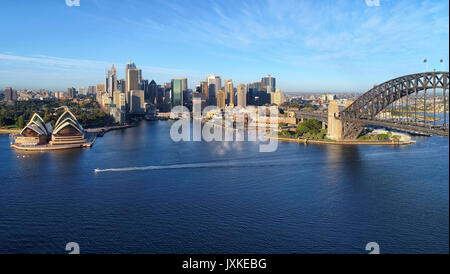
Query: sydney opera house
x=68 y=133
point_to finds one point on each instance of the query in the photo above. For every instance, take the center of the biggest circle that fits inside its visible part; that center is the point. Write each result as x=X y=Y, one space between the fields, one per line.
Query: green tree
x=309 y=126
x=20 y=122
x=382 y=137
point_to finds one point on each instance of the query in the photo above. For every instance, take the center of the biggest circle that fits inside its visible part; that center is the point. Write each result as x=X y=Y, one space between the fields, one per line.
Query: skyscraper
x=204 y=90
x=214 y=85
x=111 y=81
x=241 y=95
x=151 y=92
x=132 y=82
x=129 y=66
x=221 y=99
x=160 y=98
x=179 y=86
x=229 y=92
x=121 y=85
x=269 y=83
x=137 y=102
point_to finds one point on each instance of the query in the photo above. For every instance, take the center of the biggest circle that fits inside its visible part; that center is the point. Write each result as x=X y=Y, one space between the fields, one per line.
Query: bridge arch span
x=365 y=109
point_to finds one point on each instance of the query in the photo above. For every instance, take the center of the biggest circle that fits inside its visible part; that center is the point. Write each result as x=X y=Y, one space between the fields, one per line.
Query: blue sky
x=326 y=45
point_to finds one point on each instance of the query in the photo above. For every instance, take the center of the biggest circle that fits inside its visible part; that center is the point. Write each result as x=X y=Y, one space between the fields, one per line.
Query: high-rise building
x=92 y=90
x=152 y=92
x=10 y=94
x=82 y=91
x=179 y=86
x=122 y=85
x=143 y=85
x=140 y=75
x=100 y=88
x=71 y=92
x=241 y=95
x=59 y=95
x=132 y=79
x=204 y=90
x=269 y=83
x=111 y=81
x=137 y=101
x=132 y=83
x=128 y=66
x=229 y=92
x=221 y=99
x=279 y=97
x=214 y=85
x=160 y=98
x=116 y=98
x=122 y=102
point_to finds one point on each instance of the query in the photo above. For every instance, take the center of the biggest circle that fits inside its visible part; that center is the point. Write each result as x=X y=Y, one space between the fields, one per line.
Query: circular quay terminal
x=250 y=136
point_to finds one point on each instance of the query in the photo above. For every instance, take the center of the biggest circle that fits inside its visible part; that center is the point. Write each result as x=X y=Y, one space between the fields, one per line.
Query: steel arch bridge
x=368 y=108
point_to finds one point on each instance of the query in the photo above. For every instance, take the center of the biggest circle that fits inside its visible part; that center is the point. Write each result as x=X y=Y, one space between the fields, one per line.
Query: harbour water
x=137 y=191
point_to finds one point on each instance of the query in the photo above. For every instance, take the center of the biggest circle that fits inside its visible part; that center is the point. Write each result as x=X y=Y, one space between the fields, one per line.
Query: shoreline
x=9 y=131
x=343 y=142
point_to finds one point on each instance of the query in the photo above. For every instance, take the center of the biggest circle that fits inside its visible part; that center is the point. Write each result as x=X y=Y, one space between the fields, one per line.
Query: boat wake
x=228 y=164
x=178 y=166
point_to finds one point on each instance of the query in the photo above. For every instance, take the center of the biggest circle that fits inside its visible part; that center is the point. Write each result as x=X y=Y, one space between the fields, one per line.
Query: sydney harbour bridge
x=415 y=103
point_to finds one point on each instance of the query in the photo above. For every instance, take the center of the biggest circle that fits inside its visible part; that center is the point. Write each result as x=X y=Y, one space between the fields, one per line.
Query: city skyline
x=352 y=44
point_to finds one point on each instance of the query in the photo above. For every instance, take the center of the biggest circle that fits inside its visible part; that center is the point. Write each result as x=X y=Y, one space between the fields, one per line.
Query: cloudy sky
x=326 y=45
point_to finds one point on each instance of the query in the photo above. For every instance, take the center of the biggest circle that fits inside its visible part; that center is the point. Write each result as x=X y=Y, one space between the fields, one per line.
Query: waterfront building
x=36 y=132
x=67 y=130
x=241 y=95
x=137 y=101
x=221 y=99
x=117 y=114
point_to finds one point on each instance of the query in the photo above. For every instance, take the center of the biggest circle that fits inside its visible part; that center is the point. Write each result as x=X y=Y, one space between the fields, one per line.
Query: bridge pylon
x=335 y=126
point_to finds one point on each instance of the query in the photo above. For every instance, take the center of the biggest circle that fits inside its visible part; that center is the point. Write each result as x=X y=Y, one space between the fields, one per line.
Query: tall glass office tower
x=269 y=83
x=178 y=88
